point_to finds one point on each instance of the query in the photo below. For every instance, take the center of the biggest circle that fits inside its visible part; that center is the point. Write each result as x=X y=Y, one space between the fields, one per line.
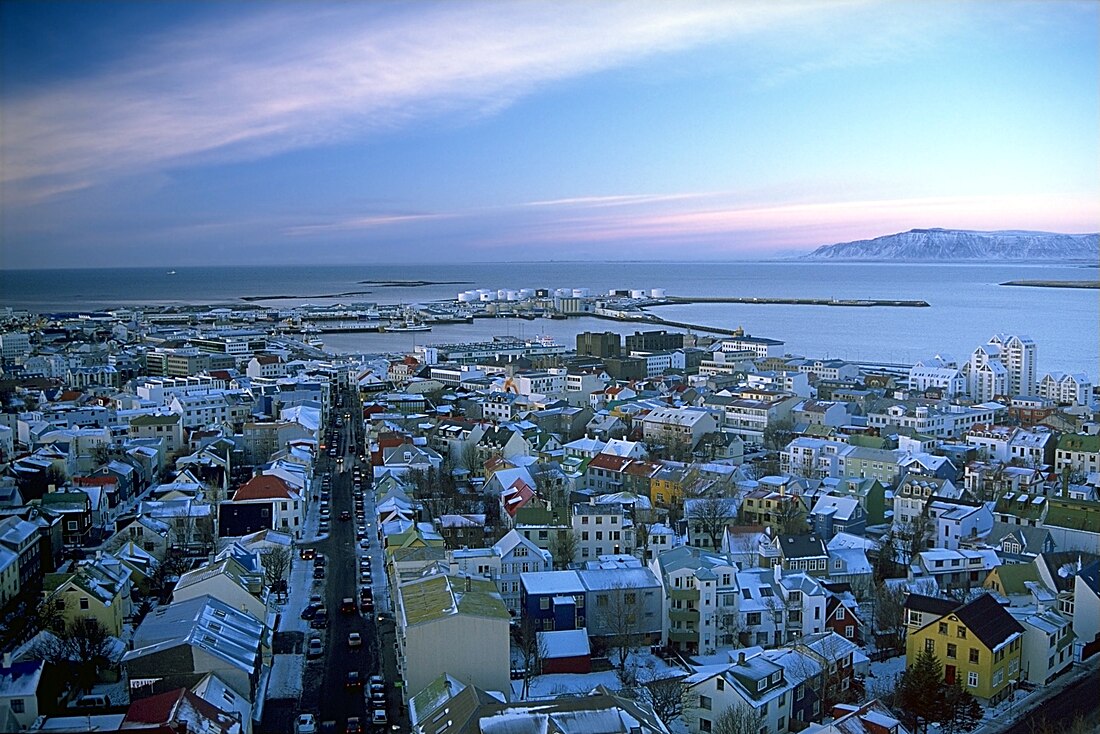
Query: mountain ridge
x=939 y=244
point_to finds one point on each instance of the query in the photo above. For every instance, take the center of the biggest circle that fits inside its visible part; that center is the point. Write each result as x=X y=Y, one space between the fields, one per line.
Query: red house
x=565 y=651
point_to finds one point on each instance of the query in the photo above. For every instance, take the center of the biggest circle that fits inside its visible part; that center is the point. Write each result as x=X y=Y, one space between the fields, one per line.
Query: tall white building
x=1019 y=354
x=986 y=375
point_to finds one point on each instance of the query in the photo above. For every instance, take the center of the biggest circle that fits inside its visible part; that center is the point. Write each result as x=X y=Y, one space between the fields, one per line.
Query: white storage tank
x=511 y=295
x=637 y=293
x=581 y=292
x=487 y=296
x=526 y=293
x=656 y=292
x=467 y=296
x=564 y=293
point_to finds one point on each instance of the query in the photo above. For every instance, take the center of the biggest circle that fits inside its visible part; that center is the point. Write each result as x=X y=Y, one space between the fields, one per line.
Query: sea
x=968 y=304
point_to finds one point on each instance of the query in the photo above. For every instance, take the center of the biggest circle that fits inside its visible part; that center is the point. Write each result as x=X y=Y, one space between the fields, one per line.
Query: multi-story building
x=986 y=376
x=593 y=344
x=653 y=341
x=602 y=529
x=1066 y=389
x=455 y=625
x=1079 y=452
x=16 y=345
x=699 y=598
x=1019 y=355
x=979 y=644
x=161 y=426
x=939 y=373
x=762 y=348
x=1048 y=644
x=518 y=555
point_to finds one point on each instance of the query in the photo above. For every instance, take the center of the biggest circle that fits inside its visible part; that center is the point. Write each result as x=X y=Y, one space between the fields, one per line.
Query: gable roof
x=930 y=604
x=263 y=487
x=989 y=621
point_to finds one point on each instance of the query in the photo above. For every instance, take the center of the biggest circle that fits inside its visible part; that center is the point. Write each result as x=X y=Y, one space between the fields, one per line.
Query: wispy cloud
x=291 y=76
x=355 y=224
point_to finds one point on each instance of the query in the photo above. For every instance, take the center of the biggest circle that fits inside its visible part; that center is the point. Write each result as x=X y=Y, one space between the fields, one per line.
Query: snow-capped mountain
x=961 y=244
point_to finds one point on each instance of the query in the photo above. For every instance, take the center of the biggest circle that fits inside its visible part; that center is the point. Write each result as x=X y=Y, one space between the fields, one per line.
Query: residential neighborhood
x=209 y=527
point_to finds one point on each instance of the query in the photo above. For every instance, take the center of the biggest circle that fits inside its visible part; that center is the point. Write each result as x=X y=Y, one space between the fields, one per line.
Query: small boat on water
x=406 y=326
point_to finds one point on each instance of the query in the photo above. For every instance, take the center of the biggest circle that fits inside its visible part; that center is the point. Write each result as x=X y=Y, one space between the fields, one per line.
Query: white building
x=937 y=372
x=1019 y=354
x=1066 y=389
x=986 y=376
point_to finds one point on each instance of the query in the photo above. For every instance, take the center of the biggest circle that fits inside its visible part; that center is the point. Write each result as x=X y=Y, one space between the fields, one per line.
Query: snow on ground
x=884 y=674
x=646 y=666
x=285 y=680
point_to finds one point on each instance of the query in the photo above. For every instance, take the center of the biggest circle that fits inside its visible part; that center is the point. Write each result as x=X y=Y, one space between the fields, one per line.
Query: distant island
x=955 y=245
x=1055 y=283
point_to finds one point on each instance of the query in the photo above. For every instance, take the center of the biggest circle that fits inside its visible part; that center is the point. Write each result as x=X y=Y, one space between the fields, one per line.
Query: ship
x=406 y=326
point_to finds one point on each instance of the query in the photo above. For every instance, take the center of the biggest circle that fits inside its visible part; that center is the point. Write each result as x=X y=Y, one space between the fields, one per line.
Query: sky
x=150 y=134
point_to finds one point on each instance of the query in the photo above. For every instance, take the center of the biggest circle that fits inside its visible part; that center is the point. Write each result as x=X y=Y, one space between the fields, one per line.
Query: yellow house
x=979 y=645
x=100 y=589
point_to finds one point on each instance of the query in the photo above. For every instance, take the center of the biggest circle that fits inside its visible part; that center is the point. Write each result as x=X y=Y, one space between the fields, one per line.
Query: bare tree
x=620 y=613
x=468 y=457
x=777 y=434
x=81 y=648
x=888 y=604
x=276 y=563
x=532 y=650
x=183 y=526
x=563 y=547
x=738 y=719
x=667 y=696
x=711 y=515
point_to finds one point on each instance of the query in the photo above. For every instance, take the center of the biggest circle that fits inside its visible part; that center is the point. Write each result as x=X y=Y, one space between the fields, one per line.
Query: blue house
x=553 y=600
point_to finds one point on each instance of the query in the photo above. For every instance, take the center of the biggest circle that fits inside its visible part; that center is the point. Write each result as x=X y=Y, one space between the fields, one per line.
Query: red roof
x=515 y=496
x=180 y=706
x=263 y=487
x=94 y=481
x=610 y=462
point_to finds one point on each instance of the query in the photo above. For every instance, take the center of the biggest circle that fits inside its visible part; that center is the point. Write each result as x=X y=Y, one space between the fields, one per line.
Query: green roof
x=1079 y=442
x=442 y=596
x=1014 y=575
x=1073 y=514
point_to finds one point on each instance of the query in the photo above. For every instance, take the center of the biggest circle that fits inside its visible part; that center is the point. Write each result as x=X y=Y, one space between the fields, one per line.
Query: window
x=914 y=617
x=974 y=655
x=704 y=725
x=799 y=693
x=18 y=706
x=544 y=603
x=704 y=702
x=83 y=602
x=961 y=632
x=721 y=684
x=839 y=616
x=71 y=525
x=952 y=650
x=849 y=631
x=930 y=646
x=972 y=679
x=943 y=628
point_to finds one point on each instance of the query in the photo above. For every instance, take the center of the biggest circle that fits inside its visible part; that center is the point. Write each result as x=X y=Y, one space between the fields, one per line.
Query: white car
x=355 y=639
x=306 y=724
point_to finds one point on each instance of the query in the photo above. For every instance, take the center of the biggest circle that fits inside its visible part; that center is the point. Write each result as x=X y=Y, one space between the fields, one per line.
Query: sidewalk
x=1008 y=713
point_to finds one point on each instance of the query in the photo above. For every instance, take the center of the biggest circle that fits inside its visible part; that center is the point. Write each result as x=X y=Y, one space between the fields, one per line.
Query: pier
x=859 y=302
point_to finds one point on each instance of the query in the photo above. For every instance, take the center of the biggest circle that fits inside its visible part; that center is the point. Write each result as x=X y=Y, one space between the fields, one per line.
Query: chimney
x=741 y=658
x=7 y=660
x=777 y=572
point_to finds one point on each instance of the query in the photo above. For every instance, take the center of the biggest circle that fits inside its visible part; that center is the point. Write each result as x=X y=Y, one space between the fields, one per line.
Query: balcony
x=684 y=594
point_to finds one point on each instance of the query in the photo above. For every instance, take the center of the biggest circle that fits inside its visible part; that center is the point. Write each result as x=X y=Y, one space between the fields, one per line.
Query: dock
x=857 y=302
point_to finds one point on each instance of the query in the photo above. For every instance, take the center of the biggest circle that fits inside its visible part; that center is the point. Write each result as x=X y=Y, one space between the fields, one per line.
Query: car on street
x=378 y=717
x=366 y=604
x=354 y=726
x=364 y=543
x=315 y=649
x=355 y=639
x=347 y=605
x=306 y=724
x=378 y=698
x=345 y=516
x=364 y=563
x=310 y=611
x=385 y=617
x=354 y=680
x=319 y=572
x=307 y=554
x=365 y=578
x=320 y=619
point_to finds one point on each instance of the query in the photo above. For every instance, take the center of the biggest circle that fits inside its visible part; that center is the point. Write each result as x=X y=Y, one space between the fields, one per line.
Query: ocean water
x=967 y=302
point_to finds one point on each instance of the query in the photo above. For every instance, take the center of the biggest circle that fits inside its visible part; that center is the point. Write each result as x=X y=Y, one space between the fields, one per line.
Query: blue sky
x=172 y=134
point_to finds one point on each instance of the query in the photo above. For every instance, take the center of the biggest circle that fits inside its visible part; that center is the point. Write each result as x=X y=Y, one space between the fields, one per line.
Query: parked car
x=320 y=619
x=306 y=724
x=309 y=611
x=319 y=572
x=378 y=717
x=316 y=648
